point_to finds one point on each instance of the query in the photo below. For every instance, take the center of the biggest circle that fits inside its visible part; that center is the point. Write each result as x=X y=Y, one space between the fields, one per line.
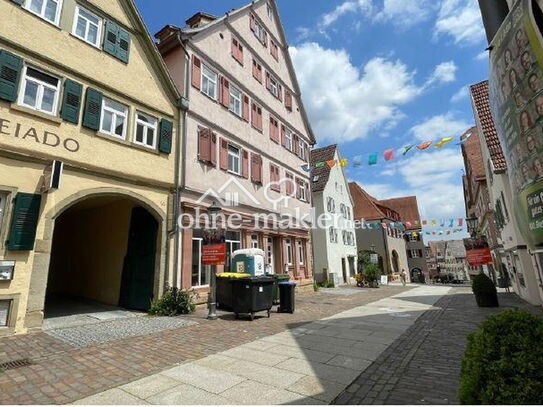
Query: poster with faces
x=516 y=99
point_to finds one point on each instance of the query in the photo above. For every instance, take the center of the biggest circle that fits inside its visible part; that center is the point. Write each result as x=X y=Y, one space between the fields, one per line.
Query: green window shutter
x=166 y=133
x=93 y=109
x=71 y=101
x=111 y=38
x=24 y=221
x=10 y=75
x=123 y=49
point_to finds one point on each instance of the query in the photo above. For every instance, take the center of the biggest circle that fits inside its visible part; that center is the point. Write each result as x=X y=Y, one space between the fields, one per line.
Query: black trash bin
x=224 y=289
x=287 y=296
x=252 y=295
x=278 y=278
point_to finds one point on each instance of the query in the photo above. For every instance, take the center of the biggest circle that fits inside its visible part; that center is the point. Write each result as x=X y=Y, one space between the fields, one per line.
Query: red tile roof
x=368 y=208
x=407 y=207
x=473 y=156
x=320 y=176
x=481 y=107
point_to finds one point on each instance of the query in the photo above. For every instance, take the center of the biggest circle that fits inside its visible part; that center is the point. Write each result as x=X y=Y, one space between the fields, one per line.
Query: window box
x=40 y=91
x=87 y=26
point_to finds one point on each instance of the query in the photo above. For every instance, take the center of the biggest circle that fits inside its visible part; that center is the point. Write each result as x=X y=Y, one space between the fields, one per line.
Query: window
x=146 y=130
x=290 y=257
x=5 y=305
x=303 y=190
x=235 y=100
x=46 y=9
x=113 y=121
x=260 y=33
x=234 y=159
x=274 y=86
x=87 y=26
x=333 y=235
x=301 y=254
x=413 y=237
x=302 y=148
x=40 y=91
x=254 y=241
x=3 y=199
x=331 y=205
x=270 y=11
x=288 y=139
x=200 y=276
x=233 y=243
x=414 y=254
x=209 y=82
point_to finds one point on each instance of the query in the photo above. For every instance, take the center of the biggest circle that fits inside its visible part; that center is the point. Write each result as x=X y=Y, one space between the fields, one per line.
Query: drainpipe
x=493 y=13
x=385 y=240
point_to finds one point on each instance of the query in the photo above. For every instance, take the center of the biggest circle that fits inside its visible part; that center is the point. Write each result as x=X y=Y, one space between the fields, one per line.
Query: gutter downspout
x=386 y=248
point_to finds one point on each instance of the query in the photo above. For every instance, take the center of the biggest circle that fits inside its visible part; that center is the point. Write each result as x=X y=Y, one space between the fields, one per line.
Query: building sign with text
x=516 y=99
x=477 y=251
x=214 y=248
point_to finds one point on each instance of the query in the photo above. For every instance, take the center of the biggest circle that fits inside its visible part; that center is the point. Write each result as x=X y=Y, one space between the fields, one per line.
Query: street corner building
x=382 y=234
x=335 y=251
x=246 y=138
x=89 y=121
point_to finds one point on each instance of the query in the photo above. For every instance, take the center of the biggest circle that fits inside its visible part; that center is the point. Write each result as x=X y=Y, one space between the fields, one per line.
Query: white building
x=334 y=247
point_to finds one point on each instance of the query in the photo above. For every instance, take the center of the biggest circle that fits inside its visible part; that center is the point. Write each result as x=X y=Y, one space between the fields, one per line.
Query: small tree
x=373 y=273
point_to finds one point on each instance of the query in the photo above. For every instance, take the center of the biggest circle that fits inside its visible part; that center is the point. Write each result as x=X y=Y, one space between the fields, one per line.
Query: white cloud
x=434 y=177
x=350 y=6
x=445 y=72
x=482 y=56
x=462 y=94
x=345 y=102
x=444 y=125
x=461 y=20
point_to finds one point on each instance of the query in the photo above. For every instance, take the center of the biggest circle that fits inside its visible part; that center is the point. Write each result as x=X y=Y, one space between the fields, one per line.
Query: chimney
x=165 y=33
x=200 y=19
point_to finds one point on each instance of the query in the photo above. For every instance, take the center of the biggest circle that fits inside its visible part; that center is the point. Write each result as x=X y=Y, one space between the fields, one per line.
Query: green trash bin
x=278 y=278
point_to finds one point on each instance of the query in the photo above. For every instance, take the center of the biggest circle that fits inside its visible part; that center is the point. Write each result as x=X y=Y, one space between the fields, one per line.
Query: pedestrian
x=403 y=277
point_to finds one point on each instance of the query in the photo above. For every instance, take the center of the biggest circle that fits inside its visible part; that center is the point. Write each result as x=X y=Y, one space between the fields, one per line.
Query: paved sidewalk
x=423 y=365
x=61 y=373
x=308 y=364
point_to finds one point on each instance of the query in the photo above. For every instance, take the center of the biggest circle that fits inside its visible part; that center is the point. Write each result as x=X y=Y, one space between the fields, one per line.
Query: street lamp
x=473 y=225
x=213 y=211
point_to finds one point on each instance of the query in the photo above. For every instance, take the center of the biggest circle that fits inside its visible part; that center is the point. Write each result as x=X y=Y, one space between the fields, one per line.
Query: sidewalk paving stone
x=210 y=380
x=185 y=394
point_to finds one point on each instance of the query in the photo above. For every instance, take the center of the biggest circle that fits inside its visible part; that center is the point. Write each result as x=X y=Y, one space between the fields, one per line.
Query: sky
x=379 y=74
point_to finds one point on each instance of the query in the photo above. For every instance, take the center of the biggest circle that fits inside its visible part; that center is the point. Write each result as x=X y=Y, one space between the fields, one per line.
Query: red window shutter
x=225 y=92
x=253 y=114
x=196 y=72
x=274 y=129
x=235 y=48
x=203 y=144
x=265 y=39
x=296 y=142
x=283 y=135
x=268 y=81
x=245 y=164
x=259 y=72
x=288 y=100
x=245 y=108
x=240 y=53
x=212 y=148
x=280 y=91
x=223 y=155
x=290 y=183
x=255 y=69
x=298 y=189
x=259 y=118
x=256 y=168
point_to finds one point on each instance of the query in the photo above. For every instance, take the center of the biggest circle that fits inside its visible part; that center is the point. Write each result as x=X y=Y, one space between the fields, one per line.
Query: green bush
x=485 y=291
x=174 y=302
x=503 y=363
x=316 y=287
x=373 y=274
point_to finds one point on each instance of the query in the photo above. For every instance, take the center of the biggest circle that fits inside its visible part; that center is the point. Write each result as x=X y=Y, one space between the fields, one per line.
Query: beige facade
x=109 y=180
x=229 y=151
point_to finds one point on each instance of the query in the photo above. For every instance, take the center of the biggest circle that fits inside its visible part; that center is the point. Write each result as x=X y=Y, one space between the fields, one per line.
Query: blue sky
x=378 y=74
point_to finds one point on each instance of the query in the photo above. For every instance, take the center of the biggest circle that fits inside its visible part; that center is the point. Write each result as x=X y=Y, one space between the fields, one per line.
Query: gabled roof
x=407 y=207
x=481 y=108
x=321 y=174
x=186 y=33
x=367 y=207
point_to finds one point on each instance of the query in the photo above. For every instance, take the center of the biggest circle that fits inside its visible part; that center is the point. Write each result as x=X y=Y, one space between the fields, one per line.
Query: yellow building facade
x=89 y=121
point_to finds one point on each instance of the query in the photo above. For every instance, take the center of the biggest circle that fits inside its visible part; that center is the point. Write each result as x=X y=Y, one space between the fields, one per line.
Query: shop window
x=87 y=26
x=233 y=243
x=146 y=130
x=200 y=275
x=47 y=9
x=290 y=254
x=114 y=118
x=40 y=91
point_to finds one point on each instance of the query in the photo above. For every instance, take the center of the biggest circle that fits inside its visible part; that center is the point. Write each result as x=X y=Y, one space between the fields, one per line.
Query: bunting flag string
x=423 y=223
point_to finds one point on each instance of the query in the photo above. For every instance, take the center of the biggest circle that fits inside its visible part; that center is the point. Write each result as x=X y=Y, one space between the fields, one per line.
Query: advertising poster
x=477 y=251
x=214 y=248
x=516 y=99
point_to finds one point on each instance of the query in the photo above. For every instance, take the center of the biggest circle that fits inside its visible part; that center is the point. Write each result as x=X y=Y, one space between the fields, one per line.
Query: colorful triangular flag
x=388 y=154
x=343 y=162
x=373 y=158
x=442 y=142
x=424 y=145
x=406 y=149
x=331 y=163
x=320 y=164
